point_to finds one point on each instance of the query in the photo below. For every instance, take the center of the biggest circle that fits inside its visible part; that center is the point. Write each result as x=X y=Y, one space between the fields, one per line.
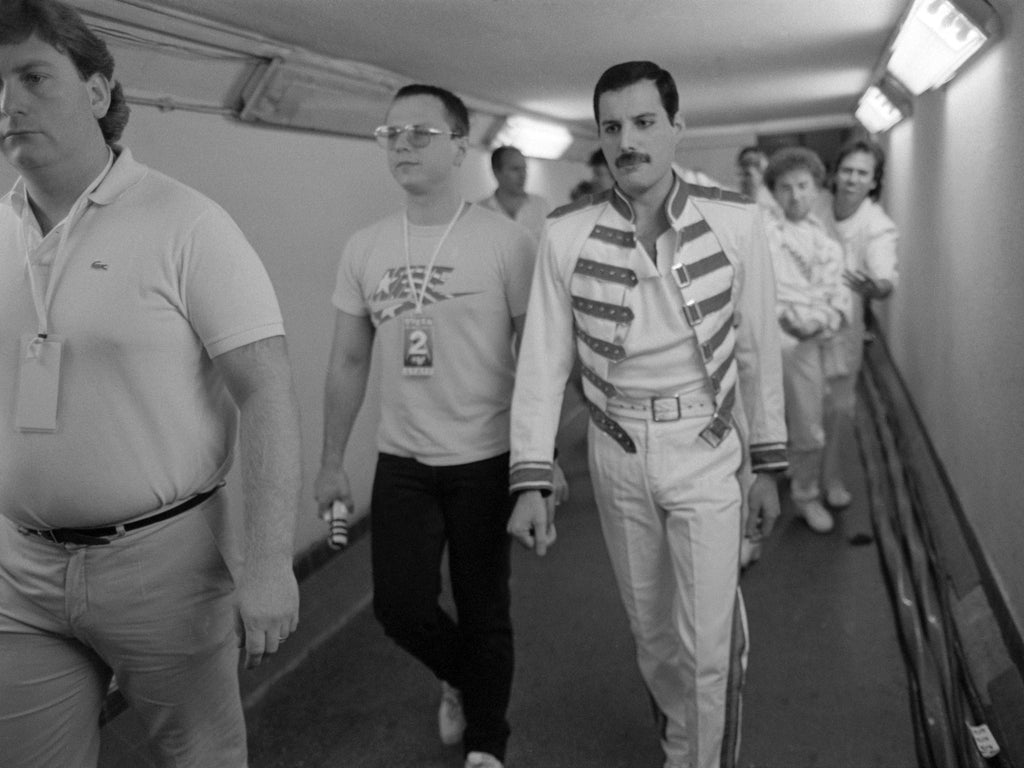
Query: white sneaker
x=837 y=497
x=451 y=720
x=818 y=518
x=482 y=760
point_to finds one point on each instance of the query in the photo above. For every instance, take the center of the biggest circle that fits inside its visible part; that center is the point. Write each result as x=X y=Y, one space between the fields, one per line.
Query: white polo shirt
x=154 y=281
x=532 y=214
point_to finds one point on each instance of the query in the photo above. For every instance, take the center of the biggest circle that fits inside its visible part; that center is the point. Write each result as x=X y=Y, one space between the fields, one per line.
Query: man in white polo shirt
x=138 y=330
x=511 y=198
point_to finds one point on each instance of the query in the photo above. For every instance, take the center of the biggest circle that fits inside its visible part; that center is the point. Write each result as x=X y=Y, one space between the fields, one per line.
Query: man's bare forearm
x=343 y=397
x=271 y=472
x=347 y=372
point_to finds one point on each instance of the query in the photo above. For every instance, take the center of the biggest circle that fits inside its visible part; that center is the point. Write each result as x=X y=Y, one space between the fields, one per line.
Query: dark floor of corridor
x=826 y=686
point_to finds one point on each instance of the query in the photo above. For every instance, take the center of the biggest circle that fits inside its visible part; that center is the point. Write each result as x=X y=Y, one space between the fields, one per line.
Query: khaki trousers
x=155 y=609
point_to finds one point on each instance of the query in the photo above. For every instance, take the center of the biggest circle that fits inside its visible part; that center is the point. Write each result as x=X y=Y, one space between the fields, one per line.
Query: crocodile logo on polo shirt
x=98 y=264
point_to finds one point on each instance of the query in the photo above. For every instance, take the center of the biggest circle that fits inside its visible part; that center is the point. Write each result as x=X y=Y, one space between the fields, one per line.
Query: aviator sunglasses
x=418 y=136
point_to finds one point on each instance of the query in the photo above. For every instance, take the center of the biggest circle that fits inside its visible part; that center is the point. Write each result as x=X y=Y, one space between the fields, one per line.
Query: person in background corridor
x=869 y=238
x=435 y=293
x=141 y=302
x=600 y=174
x=666 y=293
x=511 y=198
x=600 y=178
x=750 y=165
x=581 y=189
x=812 y=304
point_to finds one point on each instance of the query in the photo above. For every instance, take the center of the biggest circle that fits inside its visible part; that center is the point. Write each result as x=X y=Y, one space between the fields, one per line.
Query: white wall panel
x=956 y=324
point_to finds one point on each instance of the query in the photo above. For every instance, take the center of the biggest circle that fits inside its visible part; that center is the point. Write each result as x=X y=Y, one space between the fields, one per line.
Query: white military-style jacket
x=583 y=302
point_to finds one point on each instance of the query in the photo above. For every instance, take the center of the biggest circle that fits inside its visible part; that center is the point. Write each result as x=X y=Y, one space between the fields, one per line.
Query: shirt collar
x=17 y=198
x=117 y=175
x=674 y=203
x=123 y=174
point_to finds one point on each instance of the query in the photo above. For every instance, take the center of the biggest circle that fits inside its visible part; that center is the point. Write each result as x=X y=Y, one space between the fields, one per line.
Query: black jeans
x=417 y=510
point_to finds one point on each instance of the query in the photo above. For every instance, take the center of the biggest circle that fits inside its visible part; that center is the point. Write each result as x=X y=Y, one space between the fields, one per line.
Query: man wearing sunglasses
x=435 y=293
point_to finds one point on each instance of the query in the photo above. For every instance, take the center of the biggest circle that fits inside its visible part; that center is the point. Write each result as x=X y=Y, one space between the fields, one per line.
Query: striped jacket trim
x=606 y=349
x=709 y=347
x=721 y=423
x=610 y=427
x=620 y=237
x=717 y=193
x=696 y=310
x=531 y=475
x=693 y=231
x=719 y=376
x=578 y=205
x=768 y=457
x=602 y=309
x=606 y=387
x=684 y=273
x=607 y=272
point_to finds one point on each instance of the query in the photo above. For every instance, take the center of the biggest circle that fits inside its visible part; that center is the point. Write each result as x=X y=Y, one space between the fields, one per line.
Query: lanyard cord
x=41 y=301
x=430 y=266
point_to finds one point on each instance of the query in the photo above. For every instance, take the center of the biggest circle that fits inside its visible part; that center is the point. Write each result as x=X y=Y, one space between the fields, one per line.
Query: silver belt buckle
x=666 y=409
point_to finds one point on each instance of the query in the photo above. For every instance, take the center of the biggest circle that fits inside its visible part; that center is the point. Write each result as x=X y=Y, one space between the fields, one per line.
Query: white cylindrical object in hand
x=337 y=537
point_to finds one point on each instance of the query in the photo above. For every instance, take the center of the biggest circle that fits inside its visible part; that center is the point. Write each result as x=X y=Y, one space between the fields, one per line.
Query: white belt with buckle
x=670 y=408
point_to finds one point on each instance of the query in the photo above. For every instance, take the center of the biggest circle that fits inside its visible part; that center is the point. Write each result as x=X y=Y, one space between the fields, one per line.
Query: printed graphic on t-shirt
x=394 y=296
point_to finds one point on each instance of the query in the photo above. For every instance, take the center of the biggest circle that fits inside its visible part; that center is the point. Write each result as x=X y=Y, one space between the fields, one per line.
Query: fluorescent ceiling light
x=875 y=112
x=534 y=138
x=935 y=40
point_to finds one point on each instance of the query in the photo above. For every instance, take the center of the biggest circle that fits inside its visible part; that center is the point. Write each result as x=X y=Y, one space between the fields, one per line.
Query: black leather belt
x=104 y=534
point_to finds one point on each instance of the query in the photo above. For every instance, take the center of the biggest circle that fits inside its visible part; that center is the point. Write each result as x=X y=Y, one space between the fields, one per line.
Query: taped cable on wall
x=956 y=722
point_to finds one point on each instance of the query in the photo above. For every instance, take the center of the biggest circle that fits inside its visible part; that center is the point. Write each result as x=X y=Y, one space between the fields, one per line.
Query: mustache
x=631 y=158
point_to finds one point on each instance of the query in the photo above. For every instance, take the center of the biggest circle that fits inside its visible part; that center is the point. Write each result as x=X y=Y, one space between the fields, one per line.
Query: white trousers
x=840 y=406
x=803 y=378
x=670 y=514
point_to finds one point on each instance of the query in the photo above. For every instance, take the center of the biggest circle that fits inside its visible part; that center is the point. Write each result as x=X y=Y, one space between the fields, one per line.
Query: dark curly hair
x=62 y=27
x=790 y=159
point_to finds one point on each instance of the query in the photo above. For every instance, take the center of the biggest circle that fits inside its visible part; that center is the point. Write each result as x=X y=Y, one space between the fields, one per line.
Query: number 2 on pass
x=418 y=347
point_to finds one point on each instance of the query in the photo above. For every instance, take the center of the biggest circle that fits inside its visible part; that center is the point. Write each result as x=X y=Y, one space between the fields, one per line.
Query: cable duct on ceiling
x=348 y=99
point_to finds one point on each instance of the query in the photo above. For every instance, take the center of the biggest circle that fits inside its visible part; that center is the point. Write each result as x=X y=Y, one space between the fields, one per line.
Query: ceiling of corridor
x=737 y=62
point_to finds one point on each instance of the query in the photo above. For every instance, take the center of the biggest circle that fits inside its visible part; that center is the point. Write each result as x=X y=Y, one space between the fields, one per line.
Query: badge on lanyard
x=418 y=331
x=38 y=383
x=35 y=406
x=418 y=346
